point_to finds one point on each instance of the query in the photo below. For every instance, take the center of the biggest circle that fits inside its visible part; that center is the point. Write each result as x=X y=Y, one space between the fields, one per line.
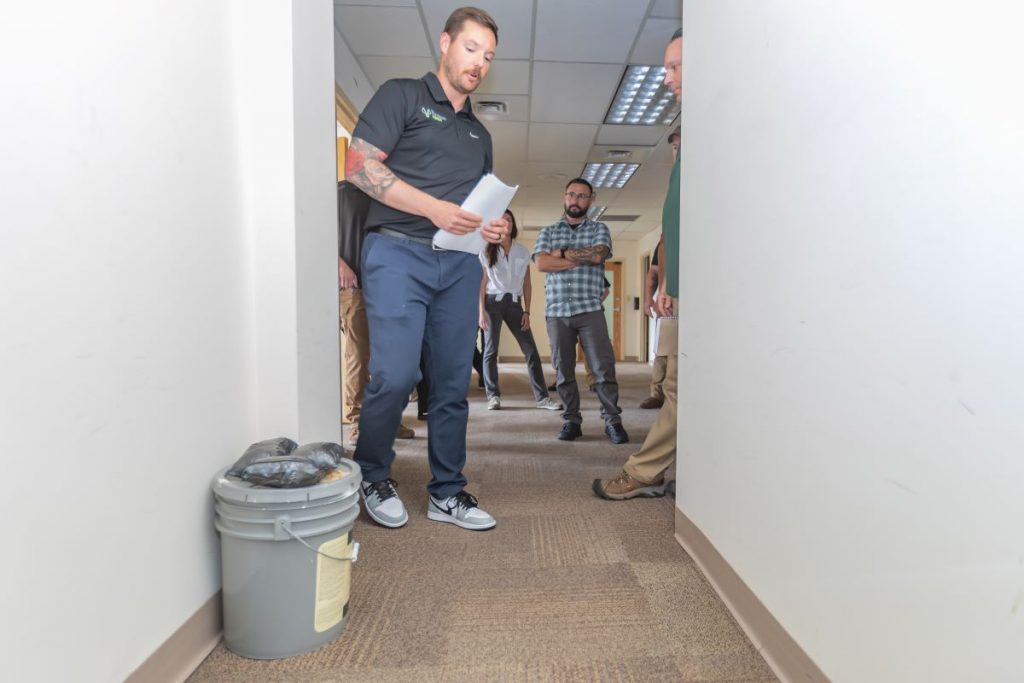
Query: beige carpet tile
x=568 y=587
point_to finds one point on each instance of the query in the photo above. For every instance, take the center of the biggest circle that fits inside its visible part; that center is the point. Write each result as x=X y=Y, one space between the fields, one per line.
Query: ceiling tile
x=561 y=142
x=673 y=9
x=583 y=30
x=393 y=31
x=626 y=136
x=572 y=92
x=650 y=46
x=508 y=139
x=506 y=76
x=379 y=3
x=514 y=19
x=380 y=69
x=600 y=153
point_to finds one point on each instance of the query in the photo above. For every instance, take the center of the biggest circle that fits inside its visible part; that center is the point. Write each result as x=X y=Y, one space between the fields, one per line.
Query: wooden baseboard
x=185 y=650
x=783 y=654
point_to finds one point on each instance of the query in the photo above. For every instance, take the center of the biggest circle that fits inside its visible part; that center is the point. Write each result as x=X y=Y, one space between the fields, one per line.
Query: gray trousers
x=511 y=313
x=592 y=332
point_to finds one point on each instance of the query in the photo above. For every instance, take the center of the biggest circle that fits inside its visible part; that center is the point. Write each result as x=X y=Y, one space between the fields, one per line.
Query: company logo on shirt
x=475 y=137
x=433 y=115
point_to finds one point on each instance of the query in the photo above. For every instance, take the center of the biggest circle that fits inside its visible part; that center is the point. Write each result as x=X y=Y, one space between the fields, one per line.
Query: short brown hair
x=463 y=14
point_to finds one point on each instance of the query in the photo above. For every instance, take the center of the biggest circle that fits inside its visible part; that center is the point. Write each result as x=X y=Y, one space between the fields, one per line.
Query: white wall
x=161 y=300
x=851 y=401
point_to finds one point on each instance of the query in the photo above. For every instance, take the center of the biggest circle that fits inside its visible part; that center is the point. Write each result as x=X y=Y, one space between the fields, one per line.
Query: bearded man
x=417 y=151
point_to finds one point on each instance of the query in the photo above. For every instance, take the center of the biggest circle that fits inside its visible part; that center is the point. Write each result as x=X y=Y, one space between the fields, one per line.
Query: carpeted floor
x=567 y=587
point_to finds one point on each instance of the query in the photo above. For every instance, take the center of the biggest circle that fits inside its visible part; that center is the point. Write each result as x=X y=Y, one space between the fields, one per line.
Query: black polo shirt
x=428 y=144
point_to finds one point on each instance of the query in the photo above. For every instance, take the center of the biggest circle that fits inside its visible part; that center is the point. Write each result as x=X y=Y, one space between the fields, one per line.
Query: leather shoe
x=652 y=402
x=570 y=432
x=616 y=433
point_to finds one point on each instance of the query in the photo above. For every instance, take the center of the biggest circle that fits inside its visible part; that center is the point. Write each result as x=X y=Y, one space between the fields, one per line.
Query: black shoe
x=616 y=433
x=553 y=387
x=421 y=416
x=570 y=432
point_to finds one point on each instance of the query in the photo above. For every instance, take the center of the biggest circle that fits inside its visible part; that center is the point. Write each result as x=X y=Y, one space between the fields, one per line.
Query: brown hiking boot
x=625 y=486
x=405 y=432
x=652 y=402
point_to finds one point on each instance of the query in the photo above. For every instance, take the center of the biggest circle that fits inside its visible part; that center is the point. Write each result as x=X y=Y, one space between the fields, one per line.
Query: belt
x=388 y=232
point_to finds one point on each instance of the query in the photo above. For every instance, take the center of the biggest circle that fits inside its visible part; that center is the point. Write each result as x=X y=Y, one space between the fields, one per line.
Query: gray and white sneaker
x=460 y=510
x=383 y=504
x=494 y=403
x=547 y=404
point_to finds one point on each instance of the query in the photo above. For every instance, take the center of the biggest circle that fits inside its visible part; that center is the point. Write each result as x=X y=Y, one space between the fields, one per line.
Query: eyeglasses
x=574 y=195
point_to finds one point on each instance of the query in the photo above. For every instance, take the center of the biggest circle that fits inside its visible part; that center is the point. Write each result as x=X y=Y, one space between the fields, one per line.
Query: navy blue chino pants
x=418 y=299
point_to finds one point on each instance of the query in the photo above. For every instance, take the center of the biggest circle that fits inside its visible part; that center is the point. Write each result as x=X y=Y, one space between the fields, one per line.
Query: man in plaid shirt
x=572 y=252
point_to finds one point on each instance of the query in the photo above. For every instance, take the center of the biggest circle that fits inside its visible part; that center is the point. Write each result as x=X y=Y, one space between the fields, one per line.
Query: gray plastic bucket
x=286 y=558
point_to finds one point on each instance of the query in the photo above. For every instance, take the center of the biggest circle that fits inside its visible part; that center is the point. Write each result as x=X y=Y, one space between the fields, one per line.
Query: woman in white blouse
x=505 y=297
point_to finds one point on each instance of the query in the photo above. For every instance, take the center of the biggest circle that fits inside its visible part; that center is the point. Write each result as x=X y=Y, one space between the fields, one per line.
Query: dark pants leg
x=423 y=388
x=450 y=339
x=597 y=347
x=562 y=334
x=418 y=299
x=513 y=316
x=492 y=337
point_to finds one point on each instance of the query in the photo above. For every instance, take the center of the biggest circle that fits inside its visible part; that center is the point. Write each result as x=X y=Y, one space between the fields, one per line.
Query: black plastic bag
x=268 y=448
x=284 y=472
x=323 y=454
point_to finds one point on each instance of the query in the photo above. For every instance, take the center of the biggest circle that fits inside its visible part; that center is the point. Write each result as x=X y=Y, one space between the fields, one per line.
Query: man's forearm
x=650 y=283
x=552 y=263
x=365 y=168
x=592 y=255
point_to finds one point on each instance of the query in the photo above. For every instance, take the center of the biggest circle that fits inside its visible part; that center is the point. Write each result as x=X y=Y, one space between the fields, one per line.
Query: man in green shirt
x=643 y=475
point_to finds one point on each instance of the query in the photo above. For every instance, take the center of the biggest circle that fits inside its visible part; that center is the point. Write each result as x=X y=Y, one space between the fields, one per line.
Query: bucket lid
x=238 y=491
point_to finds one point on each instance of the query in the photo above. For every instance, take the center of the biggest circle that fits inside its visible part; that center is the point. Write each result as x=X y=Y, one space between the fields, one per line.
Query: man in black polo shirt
x=418 y=150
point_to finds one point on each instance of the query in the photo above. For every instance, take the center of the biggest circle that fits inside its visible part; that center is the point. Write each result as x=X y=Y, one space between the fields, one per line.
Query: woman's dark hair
x=492 y=249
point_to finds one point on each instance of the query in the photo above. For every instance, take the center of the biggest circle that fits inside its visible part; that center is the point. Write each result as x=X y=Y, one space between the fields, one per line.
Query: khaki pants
x=649 y=464
x=658 y=370
x=355 y=357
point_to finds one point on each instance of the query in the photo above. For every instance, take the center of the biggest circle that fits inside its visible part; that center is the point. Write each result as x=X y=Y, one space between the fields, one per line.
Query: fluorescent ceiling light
x=642 y=98
x=609 y=174
x=596 y=212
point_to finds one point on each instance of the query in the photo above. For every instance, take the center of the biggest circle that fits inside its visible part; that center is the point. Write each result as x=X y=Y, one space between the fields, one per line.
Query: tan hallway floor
x=568 y=587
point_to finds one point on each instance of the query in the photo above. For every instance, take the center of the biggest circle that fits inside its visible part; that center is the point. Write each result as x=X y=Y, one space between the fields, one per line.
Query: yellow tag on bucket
x=333 y=579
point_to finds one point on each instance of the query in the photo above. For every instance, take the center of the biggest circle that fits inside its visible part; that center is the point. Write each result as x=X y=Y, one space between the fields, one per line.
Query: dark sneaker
x=616 y=433
x=383 y=504
x=553 y=387
x=460 y=510
x=652 y=402
x=570 y=432
x=624 y=487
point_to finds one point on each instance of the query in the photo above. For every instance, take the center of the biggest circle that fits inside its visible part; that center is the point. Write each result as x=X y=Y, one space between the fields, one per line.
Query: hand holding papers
x=489 y=199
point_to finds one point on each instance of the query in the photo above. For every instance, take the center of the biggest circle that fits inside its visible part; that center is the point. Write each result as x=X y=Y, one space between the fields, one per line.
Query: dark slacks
x=592 y=332
x=504 y=310
x=418 y=299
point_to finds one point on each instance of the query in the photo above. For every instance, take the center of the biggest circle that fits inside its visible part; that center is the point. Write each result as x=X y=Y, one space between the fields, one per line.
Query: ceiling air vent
x=491 y=108
x=618 y=154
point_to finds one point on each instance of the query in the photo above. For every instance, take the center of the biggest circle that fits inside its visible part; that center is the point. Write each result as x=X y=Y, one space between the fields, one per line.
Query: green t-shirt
x=670 y=232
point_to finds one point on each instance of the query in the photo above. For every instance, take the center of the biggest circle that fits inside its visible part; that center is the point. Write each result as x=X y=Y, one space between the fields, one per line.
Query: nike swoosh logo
x=475 y=137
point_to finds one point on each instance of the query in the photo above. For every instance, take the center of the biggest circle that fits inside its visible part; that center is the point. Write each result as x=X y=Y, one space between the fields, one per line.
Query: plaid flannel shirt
x=577 y=290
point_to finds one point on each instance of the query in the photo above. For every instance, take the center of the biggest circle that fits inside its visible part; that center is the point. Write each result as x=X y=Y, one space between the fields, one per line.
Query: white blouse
x=508 y=272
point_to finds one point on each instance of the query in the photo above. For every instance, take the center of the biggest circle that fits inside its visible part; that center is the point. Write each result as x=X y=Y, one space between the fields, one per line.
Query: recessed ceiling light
x=609 y=174
x=642 y=98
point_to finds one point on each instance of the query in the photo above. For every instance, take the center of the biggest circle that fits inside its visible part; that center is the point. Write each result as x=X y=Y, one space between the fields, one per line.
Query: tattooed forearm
x=596 y=254
x=364 y=168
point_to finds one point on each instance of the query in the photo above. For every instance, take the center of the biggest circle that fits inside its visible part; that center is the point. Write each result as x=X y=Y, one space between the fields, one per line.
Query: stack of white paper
x=489 y=199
